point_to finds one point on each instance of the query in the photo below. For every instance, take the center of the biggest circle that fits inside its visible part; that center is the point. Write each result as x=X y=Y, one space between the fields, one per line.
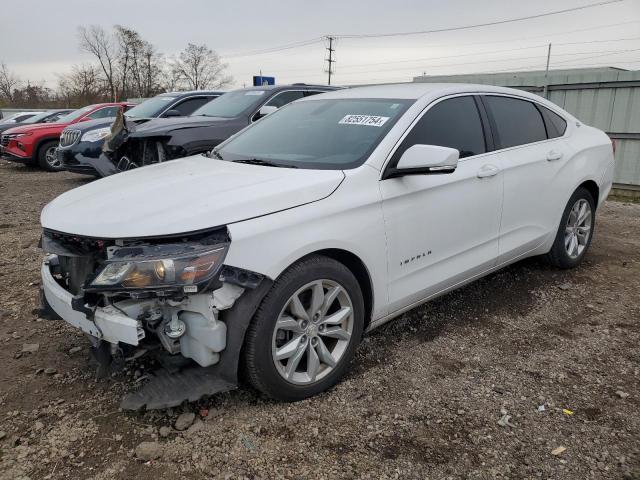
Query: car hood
x=92 y=124
x=186 y=195
x=163 y=126
x=36 y=127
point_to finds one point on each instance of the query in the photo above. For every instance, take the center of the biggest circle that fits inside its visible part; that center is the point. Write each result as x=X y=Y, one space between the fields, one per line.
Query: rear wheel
x=48 y=158
x=306 y=331
x=575 y=232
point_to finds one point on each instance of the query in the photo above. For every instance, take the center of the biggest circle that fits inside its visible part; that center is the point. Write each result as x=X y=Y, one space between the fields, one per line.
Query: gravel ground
x=529 y=373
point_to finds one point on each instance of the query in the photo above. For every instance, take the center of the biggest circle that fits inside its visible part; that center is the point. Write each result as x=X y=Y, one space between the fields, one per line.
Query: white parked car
x=325 y=219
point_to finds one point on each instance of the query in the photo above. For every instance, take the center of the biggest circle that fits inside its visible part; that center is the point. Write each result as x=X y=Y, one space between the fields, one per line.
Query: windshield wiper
x=264 y=163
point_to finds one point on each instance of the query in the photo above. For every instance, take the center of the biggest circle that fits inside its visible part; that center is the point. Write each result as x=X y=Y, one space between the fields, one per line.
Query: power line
x=302 y=43
x=477 y=25
x=498 y=60
x=313 y=41
x=486 y=52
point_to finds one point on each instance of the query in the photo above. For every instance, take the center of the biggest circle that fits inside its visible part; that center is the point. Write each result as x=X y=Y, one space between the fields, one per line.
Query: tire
x=560 y=255
x=289 y=378
x=47 y=158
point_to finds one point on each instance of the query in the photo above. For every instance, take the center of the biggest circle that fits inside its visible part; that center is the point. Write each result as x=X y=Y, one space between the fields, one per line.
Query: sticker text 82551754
x=369 y=120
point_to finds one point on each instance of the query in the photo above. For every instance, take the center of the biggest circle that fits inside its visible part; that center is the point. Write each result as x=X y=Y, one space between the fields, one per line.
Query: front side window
x=282 y=98
x=453 y=123
x=76 y=114
x=232 y=104
x=190 y=105
x=518 y=122
x=152 y=107
x=104 y=113
x=332 y=134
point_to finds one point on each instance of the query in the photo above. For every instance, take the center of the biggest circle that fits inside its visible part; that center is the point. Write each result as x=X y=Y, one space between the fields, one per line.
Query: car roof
x=430 y=91
x=190 y=92
x=273 y=88
x=414 y=91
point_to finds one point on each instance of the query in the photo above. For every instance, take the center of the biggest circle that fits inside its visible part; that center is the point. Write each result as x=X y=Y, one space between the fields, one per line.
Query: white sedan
x=327 y=218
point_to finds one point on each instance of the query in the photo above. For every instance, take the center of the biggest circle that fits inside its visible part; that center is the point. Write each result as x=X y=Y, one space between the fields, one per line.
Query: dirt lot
x=427 y=396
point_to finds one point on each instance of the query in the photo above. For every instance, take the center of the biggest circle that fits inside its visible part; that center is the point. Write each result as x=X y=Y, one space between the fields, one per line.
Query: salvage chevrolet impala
x=323 y=220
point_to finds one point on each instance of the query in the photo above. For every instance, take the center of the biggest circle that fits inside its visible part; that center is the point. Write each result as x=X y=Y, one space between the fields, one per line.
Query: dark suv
x=167 y=139
x=81 y=145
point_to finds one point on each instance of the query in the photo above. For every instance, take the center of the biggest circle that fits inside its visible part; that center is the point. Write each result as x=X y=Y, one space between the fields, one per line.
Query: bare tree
x=8 y=83
x=82 y=86
x=96 y=41
x=200 y=67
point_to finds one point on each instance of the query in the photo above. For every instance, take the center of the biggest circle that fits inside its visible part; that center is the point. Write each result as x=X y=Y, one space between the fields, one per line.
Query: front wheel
x=306 y=331
x=575 y=232
x=48 y=157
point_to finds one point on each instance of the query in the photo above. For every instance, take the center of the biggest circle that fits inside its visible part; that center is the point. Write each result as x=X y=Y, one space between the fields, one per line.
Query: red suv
x=36 y=144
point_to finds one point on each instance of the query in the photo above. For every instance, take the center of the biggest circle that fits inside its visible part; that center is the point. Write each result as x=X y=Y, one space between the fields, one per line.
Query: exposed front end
x=161 y=297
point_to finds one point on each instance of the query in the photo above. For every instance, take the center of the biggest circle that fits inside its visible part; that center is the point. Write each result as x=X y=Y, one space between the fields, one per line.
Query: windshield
x=320 y=134
x=76 y=114
x=151 y=108
x=231 y=104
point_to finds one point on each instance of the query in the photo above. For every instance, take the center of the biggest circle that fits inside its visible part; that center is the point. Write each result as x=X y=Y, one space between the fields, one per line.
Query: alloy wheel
x=312 y=332
x=52 y=158
x=578 y=228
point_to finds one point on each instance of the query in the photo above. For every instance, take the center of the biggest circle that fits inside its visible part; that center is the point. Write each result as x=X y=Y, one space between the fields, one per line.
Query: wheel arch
x=593 y=188
x=359 y=270
x=40 y=143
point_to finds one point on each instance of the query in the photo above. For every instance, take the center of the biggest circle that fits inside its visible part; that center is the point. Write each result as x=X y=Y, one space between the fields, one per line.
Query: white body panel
x=185 y=195
x=276 y=216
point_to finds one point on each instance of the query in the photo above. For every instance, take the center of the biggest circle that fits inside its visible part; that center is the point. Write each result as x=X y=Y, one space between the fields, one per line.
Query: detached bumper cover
x=108 y=323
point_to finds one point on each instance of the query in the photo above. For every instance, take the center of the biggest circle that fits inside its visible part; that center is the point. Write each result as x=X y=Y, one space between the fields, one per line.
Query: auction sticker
x=370 y=120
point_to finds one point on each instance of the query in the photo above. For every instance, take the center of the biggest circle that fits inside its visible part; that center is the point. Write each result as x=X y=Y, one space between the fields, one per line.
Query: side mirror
x=424 y=160
x=172 y=113
x=266 y=110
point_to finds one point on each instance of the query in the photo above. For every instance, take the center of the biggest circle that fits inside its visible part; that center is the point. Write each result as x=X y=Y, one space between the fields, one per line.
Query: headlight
x=164 y=266
x=18 y=135
x=96 y=135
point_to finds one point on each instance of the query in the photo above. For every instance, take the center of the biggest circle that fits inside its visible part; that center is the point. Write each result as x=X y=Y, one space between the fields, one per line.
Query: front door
x=443 y=229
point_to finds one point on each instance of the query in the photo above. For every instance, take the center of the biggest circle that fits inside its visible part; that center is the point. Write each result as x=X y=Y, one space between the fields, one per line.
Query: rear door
x=443 y=229
x=533 y=152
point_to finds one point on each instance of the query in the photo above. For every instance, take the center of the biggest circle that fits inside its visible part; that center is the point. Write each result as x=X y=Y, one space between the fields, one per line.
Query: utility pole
x=546 y=74
x=331 y=60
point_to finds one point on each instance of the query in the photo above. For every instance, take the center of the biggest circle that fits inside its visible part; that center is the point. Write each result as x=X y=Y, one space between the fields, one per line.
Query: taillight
x=613 y=147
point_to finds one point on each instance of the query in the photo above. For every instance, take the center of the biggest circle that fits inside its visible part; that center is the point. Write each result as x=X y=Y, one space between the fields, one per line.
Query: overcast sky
x=42 y=40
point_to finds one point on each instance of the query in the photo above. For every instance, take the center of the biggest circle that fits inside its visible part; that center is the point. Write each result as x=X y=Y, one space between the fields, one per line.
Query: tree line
x=124 y=66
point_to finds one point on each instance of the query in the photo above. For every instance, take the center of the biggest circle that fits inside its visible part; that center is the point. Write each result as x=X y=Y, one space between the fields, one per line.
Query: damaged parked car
x=159 y=140
x=37 y=144
x=328 y=218
x=81 y=144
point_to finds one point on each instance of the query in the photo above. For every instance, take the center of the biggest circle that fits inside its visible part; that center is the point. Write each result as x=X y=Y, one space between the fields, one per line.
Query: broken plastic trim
x=169 y=390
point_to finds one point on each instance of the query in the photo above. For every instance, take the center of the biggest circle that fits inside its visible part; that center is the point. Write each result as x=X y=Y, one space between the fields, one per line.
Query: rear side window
x=556 y=125
x=453 y=123
x=518 y=122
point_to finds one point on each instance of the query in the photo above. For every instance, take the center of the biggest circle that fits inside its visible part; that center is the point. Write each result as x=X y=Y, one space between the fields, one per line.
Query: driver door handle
x=488 y=170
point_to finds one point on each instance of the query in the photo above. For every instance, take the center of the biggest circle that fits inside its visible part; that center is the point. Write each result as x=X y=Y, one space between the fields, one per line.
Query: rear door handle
x=554 y=155
x=488 y=170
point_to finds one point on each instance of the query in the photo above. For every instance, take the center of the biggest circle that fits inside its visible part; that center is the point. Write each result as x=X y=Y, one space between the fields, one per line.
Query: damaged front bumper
x=213 y=325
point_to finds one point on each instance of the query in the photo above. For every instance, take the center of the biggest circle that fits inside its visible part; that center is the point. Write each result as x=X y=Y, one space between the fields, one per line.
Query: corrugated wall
x=607 y=98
